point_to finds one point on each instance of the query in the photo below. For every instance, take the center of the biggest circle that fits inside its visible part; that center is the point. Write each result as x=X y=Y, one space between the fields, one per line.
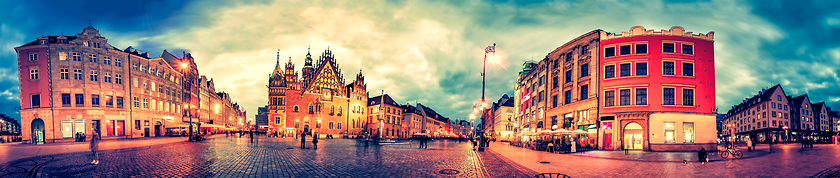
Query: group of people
x=303 y=140
x=80 y=137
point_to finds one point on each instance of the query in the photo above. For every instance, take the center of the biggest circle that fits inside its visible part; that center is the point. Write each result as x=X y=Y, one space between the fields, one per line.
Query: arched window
x=339 y=110
x=296 y=108
x=332 y=109
x=311 y=111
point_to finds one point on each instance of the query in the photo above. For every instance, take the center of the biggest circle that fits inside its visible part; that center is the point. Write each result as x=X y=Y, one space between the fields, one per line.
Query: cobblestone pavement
x=786 y=160
x=267 y=157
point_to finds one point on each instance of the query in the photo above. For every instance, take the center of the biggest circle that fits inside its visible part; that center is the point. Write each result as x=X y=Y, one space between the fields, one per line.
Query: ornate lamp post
x=189 y=101
x=489 y=49
x=787 y=137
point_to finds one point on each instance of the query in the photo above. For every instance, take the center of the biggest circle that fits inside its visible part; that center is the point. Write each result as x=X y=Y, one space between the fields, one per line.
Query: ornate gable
x=327 y=80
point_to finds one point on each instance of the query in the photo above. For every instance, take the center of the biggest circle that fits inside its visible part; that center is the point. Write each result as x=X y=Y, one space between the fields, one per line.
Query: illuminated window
x=688 y=131
x=669 y=132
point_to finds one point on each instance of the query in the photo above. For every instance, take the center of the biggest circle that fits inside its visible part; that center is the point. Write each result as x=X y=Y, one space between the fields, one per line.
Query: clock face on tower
x=327 y=95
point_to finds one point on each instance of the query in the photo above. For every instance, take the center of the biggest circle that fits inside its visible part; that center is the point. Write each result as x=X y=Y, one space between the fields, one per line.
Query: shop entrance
x=633 y=136
x=37 y=131
x=157 y=129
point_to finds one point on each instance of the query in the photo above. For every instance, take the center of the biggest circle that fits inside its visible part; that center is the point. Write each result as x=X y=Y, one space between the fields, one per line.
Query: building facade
x=658 y=89
x=316 y=103
x=763 y=117
x=9 y=129
x=81 y=84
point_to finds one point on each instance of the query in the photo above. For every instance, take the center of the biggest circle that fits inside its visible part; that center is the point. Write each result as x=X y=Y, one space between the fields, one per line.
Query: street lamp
x=787 y=137
x=188 y=106
x=488 y=49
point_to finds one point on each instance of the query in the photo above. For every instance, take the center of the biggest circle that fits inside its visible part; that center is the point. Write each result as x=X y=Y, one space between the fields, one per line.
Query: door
x=95 y=125
x=146 y=131
x=37 y=131
x=157 y=130
x=633 y=136
x=608 y=141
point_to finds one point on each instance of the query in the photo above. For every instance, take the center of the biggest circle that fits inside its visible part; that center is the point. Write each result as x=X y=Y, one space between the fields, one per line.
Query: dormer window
x=42 y=41
x=62 y=41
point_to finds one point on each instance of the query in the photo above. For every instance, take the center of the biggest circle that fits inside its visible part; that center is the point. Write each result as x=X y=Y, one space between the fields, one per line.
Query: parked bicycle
x=731 y=150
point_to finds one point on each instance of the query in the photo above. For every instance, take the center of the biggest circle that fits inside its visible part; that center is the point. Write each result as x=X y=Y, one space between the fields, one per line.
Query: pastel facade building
x=81 y=84
x=763 y=117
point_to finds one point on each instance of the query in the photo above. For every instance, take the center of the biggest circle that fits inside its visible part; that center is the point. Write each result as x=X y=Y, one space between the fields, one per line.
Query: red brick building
x=317 y=103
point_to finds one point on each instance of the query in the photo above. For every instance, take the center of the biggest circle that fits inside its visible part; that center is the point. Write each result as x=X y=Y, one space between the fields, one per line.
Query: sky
x=431 y=51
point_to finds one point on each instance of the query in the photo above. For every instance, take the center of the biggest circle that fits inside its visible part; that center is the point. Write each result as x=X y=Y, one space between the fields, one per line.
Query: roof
x=797 y=101
x=764 y=95
x=377 y=99
x=818 y=106
x=51 y=39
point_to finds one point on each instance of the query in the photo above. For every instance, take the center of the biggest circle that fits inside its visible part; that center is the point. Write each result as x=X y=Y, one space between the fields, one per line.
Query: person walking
x=251 y=134
x=315 y=141
x=94 y=146
x=302 y=140
x=750 y=145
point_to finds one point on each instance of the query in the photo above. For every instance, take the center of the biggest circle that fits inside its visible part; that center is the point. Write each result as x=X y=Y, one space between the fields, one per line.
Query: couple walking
x=303 y=140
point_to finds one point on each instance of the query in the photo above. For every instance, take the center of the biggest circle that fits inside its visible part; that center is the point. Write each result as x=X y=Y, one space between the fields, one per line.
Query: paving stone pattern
x=269 y=157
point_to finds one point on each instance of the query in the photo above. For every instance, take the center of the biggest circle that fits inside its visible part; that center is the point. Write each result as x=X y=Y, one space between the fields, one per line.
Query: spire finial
x=290 y=58
x=278 y=56
x=89 y=22
x=307 y=49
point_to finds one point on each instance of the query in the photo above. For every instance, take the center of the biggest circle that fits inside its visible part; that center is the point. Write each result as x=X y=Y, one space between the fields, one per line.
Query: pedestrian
x=702 y=156
x=749 y=145
x=94 y=146
x=302 y=140
x=472 y=140
x=251 y=134
x=315 y=141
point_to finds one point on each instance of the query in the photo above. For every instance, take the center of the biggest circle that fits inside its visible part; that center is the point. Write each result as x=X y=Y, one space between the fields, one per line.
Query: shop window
x=67 y=129
x=81 y=127
x=688 y=130
x=669 y=132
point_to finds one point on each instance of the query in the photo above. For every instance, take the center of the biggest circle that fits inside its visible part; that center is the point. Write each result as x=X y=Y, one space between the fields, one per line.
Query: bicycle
x=730 y=150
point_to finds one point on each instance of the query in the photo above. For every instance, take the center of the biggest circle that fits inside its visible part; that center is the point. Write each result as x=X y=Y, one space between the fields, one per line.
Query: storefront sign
x=526 y=97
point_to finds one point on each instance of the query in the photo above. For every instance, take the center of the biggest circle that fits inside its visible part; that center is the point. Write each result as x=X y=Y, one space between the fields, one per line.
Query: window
x=92 y=58
x=36 y=100
x=77 y=56
x=687 y=49
x=94 y=75
x=65 y=99
x=669 y=132
x=568 y=57
x=609 y=98
x=541 y=96
x=641 y=96
x=622 y=50
x=667 y=68
x=33 y=56
x=584 y=92
x=109 y=101
x=106 y=60
x=145 y=103
x=65 y=73
x=688 y=97
x=136 y=102
x=331 y=125
x=668 y=47
x=107 y=77
x=77 y=74
x=584 y=49
x=625 y=69
x=688 y=130
x=67 y=129
x=555 y=82
x=339 y=125
x=688 y=69
x=584 y=70
x=641 y=68
x=773 y=105
x=297 y=109
x=625 y=97
x=80 y=100
x=609 y=71
x=118 y=62
x=33 y=73
x=568 y=76
x=554 y=101
x=609 y=52
x=118 y=79
x=641 y=48
x=311 y=109
x=668 y=94
x=568 y=96
x=94 y=100
x=277 y=120
x=542 y=80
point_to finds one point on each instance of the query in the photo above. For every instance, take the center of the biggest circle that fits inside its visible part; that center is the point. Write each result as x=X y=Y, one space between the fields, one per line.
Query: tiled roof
x=761 y=96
